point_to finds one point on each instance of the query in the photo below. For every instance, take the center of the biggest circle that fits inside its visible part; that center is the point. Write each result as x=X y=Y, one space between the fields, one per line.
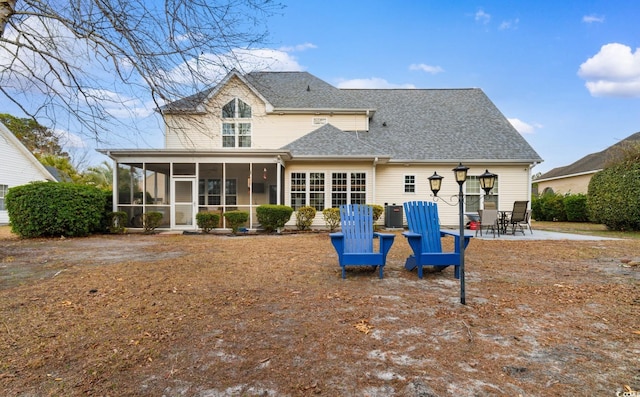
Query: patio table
x=503 y=221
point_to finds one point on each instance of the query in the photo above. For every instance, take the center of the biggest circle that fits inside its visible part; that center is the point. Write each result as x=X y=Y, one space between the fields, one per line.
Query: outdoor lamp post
x=487 y=181
x=461 y=176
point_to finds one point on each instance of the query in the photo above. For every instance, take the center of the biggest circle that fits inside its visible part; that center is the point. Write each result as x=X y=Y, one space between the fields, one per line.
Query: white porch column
x=278 y=181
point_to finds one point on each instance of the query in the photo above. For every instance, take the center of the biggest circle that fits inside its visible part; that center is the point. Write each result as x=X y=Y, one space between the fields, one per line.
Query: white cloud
x=213 y=67
x=614 y=71
x=426 y=68
x=522 y=127
x=69 y=140
x=119 y=105
x=298 y=47
x=370 y=83
x=482 y=17
x=592 y=18
x=511 y=24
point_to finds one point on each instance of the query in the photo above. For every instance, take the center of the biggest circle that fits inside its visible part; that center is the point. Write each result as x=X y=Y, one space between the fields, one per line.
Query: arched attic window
x=242 y=108
x=236 y=128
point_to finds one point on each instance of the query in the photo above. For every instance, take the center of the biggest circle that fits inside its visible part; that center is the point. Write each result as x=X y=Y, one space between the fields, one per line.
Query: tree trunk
x=7 y=8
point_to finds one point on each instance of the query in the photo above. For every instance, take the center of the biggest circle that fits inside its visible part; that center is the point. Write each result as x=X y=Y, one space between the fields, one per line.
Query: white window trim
x=404 y=184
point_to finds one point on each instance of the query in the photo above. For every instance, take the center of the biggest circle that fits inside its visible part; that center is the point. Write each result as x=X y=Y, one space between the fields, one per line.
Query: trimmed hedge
x=377 y=211
x=304 y=217
x=46 y=209
x=575 y=206
x=117 y=221
x=548 y=207
x=151 y=220
x=235 y=219
x=613 y=197
x=272 y=216
x=332 y=218
x=207 y=221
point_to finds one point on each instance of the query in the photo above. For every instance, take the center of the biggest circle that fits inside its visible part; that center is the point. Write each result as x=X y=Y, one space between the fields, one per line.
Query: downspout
x=373 y=177
x=250 y=187
x=114 y=183
x=529 y=187
x=279 y=186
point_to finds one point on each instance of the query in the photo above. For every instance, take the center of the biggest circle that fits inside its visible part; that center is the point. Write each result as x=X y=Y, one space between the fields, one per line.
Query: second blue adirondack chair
x=354 y=243
x=424 y=237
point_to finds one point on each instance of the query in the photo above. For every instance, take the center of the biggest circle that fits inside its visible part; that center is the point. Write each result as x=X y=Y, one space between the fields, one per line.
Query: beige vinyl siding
x=268 y=131
x=573 y=185
x=514 y=184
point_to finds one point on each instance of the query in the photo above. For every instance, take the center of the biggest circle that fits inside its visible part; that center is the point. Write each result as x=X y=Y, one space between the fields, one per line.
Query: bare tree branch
x=86 y=63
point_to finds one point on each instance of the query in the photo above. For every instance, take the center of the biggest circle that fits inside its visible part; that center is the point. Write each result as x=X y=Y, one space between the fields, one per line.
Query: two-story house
x=291 y=138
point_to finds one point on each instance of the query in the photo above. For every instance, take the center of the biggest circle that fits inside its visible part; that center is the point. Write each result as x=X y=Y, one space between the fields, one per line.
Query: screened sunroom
x=180 y=184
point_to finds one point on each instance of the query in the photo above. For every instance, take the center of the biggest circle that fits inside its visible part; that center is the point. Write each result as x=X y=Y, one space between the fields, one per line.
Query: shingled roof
x=426 y=125
x=329 y=141
x=590 y=163
x=405 y=124
x=302 y=90
x=442 y=124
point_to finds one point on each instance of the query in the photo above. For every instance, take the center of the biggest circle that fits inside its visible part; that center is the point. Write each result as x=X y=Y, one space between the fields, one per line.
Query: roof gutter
x=329 y=111
x=553 y=178
x=467 y=161
x=116 y=153
x=376 y=159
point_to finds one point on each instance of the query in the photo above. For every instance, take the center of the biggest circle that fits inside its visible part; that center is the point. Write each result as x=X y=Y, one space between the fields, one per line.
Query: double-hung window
x=348 y=188
x=307 y=189
x=409 y=183
x=298 y=190
x=236 y=124
x=313 y=189
x=475 y=195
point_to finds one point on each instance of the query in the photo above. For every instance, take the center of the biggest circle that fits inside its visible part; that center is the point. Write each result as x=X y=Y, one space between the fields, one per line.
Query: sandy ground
x=269 y=315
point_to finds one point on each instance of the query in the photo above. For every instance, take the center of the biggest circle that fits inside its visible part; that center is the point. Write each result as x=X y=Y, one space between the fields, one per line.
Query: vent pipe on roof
x=308 y=88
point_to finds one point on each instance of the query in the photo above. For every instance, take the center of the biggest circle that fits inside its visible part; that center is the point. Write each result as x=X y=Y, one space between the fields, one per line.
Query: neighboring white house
x=291 y=138
x=18 y=167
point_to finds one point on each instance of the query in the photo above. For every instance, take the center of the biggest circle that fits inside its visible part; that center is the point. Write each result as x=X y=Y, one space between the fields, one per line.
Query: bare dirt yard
x=269 y=315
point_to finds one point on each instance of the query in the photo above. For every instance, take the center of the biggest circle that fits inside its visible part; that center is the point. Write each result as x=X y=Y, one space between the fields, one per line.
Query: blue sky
x=566 y=73
x=533 y=59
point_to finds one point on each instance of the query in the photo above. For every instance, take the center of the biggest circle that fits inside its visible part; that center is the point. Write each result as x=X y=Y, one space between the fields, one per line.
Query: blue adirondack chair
x=354 y=243
x=425 y=238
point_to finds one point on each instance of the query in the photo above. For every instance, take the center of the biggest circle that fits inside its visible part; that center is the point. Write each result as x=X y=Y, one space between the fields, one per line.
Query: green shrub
x=304 y=217
x=332 y=218
x=207 y=221
x=575 y=206
x=272 y=216
x=549 y=207
x=46 y=209
x=117 y=221
x=612 y=198
x=151 y=220
x=377 y=211
x=536 y=208
x=235 y=219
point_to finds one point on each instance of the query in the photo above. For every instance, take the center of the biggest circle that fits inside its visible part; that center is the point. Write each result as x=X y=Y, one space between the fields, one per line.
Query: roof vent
x=384 y=124
x=308 y=88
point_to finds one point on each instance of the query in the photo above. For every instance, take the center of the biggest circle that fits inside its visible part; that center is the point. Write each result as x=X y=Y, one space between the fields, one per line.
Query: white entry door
x=184 y=203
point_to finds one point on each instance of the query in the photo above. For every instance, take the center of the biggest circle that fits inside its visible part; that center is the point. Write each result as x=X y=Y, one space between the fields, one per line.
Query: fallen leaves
x=363 y=326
